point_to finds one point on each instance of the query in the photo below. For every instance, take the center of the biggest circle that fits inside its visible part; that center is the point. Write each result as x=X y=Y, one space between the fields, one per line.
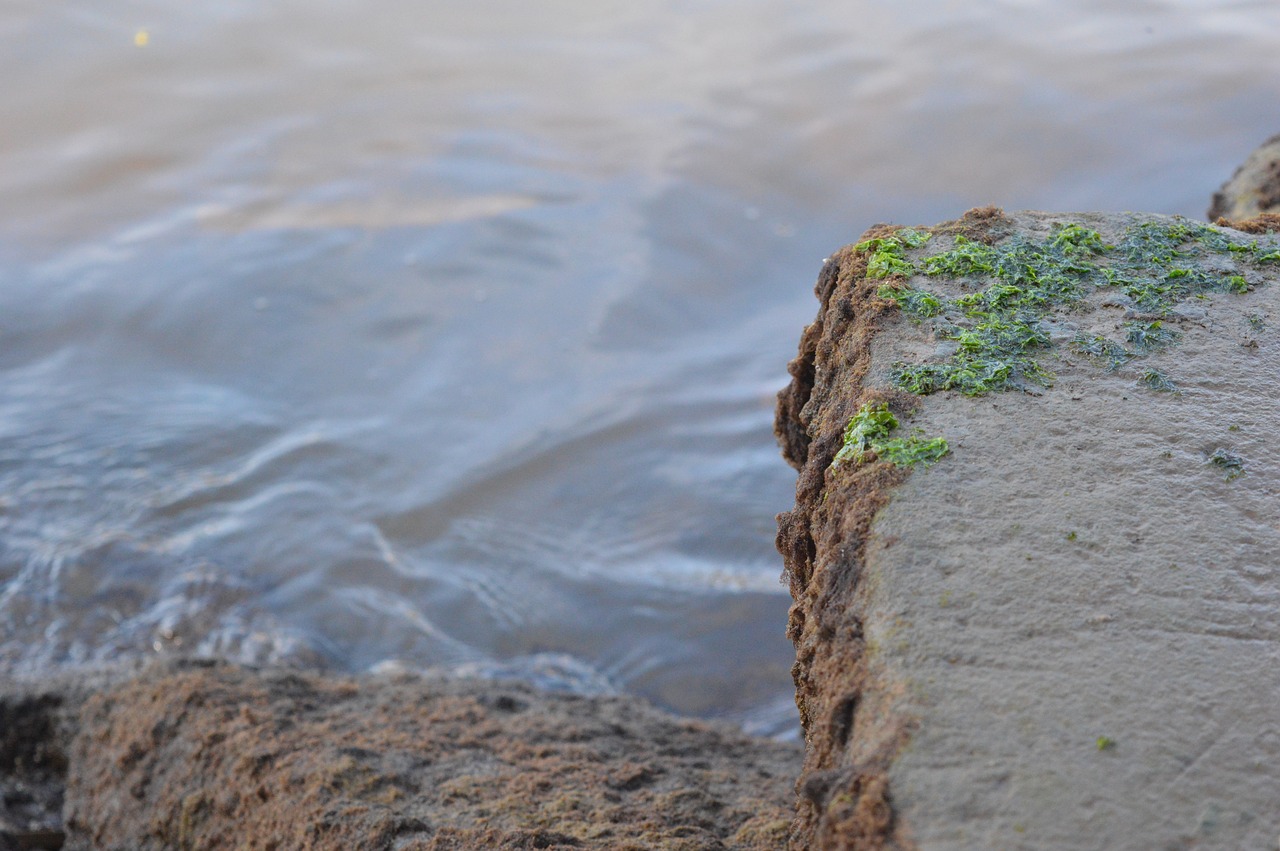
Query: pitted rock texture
x=207 y=756
x=1065 y=634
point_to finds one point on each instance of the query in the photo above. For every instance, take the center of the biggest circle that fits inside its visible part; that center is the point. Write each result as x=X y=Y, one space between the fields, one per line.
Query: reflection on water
x=447 y=336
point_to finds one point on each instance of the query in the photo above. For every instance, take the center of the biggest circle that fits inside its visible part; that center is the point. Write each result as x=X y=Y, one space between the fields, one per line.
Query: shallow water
x=448 y=335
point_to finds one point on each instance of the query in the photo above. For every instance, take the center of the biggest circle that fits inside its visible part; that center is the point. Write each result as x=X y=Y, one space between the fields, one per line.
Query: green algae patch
x=912 y=450
x=868 y=433
x=888 y=253
x=1077 y=239
x=1102 y=348
x=995 y=353
x=967 y=258
x=1228 y=461
x=917 y=303
x=1157 y=380
x=870 y=424
x=1013 y=292
x=1149 y=336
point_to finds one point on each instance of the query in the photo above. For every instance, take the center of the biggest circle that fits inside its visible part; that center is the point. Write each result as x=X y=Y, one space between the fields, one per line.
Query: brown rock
x=37 y=721
x=218 y=756
x=1253 y=189
x=844 y=798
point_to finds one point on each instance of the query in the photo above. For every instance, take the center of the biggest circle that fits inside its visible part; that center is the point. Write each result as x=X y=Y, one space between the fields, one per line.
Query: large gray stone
x=1065 y=633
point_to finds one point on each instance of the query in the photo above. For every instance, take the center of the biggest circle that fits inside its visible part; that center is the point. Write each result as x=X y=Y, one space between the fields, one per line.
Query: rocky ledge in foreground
x=214 y=756
x=1034 y=554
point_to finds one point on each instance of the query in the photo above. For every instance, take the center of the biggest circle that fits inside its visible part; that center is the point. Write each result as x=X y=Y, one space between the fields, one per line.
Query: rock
x=1253 y=189
x=30 y=772
x=37 y=721
x=196 y=755
x=1063 y=633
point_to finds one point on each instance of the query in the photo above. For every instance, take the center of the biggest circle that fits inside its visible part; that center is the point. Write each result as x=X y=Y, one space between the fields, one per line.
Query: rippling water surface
x=443 y=334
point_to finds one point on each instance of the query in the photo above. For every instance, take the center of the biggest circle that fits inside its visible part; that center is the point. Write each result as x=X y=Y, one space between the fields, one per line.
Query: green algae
x=994 y=355
x=1157 y=380
x=1077 y=239
x=967 y=258
x=1228 y=461
x=912 y=450
x=871 y=423
x=888 y=253
x=999 y=329
x=917 y=303
x=1148 y=336
x=867 y=434
x=1104 y=349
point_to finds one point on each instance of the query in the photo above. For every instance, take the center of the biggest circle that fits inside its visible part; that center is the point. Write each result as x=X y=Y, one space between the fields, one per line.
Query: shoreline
x=203 y=754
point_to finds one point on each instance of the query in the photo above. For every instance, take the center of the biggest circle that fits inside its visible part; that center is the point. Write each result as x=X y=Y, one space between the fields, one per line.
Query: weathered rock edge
x=844 y=798
x=209 y=755
x=852 y=711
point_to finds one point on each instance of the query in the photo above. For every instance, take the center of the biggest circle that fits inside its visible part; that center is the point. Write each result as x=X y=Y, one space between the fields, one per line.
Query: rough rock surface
x=37 y=722
x=215 y=756
x=31 y=772
x=1254 y=188
x=1065 y=633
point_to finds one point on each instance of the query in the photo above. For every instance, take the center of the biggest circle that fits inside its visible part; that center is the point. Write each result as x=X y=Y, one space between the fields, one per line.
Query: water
x=447 y=334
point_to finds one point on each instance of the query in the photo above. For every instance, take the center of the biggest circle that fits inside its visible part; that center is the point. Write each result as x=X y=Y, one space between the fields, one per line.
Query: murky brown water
x=447 y=334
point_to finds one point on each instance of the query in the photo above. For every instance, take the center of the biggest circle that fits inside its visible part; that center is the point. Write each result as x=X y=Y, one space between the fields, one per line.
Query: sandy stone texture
x=1066 y=634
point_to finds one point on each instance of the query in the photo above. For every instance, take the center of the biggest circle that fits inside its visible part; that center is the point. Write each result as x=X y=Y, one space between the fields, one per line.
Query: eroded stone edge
x=847 y=706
